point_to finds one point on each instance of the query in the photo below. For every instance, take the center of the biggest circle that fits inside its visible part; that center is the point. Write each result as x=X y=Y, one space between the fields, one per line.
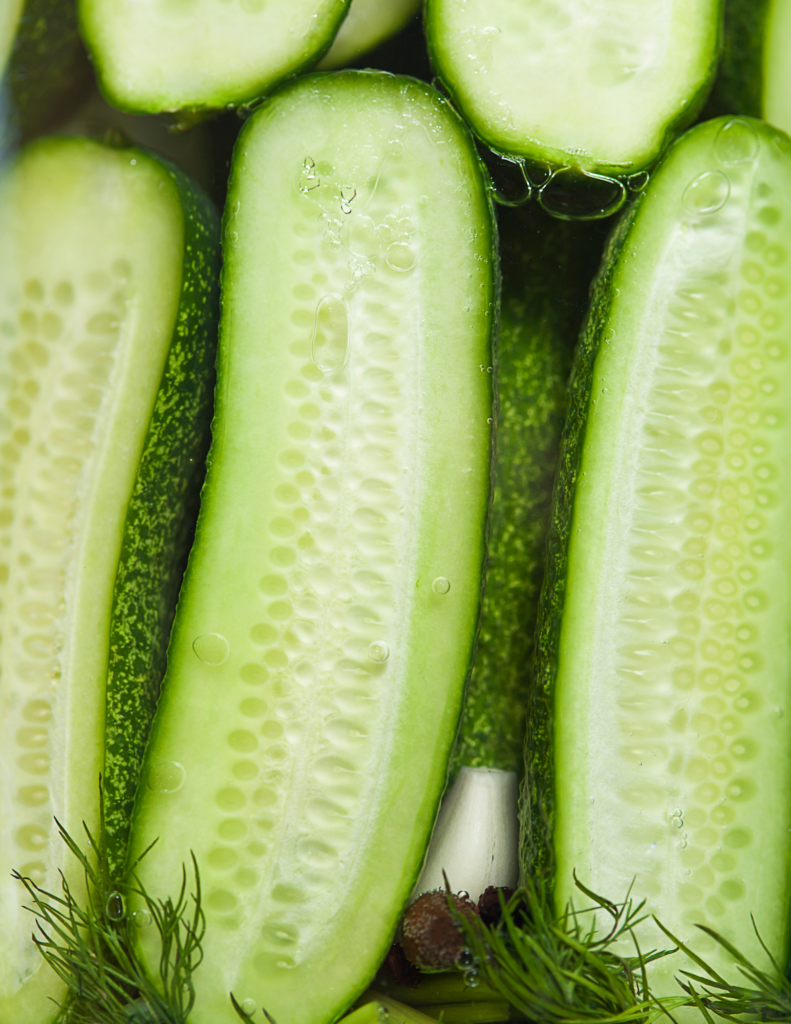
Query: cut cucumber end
x=326 y=622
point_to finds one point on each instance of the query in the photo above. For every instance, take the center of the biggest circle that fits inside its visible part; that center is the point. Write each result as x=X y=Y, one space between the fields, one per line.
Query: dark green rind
x=738 y=88
x=48 y=73
x=547 y=266
x=160 y=518
x=537 y=805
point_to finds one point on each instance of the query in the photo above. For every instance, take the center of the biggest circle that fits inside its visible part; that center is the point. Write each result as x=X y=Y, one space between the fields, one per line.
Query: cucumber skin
x=537 y=804
x=547 y=265
x=48 y=73
x=161 y=517
x=738 y=88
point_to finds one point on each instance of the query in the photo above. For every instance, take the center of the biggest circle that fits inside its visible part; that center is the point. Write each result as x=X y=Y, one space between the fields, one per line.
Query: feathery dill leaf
x=90 y=946
x=562 y=969
x=767 y=995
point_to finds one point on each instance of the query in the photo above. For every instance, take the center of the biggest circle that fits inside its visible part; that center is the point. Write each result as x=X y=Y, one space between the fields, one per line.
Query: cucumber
x=660 y=722
x=368 y=23
x=169 y=55
x=42 y=64
x=547 y=266
x=754 y=76
x=108 y=261
x=625 y=78
x=332 y=594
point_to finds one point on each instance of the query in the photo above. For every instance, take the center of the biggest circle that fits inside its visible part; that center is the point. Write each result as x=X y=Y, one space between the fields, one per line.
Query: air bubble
x=378 y=651
x=359 y=234
x=736 y=143
x=707 y=193
x=114 y=907
x=465 y=960
x=248 y=1006
x=401 y=256
x=142 y=918
x=472 y=979
x=441 y=585
x=167 y=777
x=637 y=182
x=211 y=648
x=330 y=341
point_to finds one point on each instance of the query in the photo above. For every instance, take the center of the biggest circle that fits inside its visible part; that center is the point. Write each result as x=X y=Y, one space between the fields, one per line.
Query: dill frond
x=91 y=948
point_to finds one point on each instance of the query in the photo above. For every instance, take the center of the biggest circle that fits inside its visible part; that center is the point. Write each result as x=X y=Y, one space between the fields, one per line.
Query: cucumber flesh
x=159 y=55
x=326 y=621
x=665 y=659
x=92 y=264
x=368 y=23
x=624 y=76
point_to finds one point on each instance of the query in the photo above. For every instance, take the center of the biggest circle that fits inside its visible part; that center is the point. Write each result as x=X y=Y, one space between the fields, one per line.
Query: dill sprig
x=561 y=969
x=90 y=947
x=767 y=995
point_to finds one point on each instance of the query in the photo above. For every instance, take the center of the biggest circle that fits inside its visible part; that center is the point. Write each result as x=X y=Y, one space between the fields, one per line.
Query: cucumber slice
x=755 y=77
x=547 y=267
x=107 y=260
x=167 y=55
x=368 y=23
x=625 y=77
x=661 y=724
x=42 y=64
x=332 y=593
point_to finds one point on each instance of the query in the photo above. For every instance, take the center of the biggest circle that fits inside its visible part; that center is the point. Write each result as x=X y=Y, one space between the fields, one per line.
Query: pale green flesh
x=155 y=55
x=10 y=12
x=302 y=768
x=90 y=258
x=673 y=713
x=573 y=82
x=368 y=23
x=776 y=66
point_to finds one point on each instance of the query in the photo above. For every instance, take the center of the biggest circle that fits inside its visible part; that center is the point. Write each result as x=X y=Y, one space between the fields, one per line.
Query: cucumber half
x=167 y=55
x=107 y=263
x=588 y=93
x=326 y=622
x=368 y=23
x=661 y=725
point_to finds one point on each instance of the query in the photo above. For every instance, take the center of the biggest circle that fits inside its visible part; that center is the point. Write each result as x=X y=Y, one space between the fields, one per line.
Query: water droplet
x=378 y=651
x=329 y=345
x=472 y=979
x=707 y=193
x=401 y=256
x=359 y=234
x=142 y=918
x=465 y=959
x=574 y=194
x=509 y=180
x=778 y=712
x=637 y=182
x=736 y=143
x=167 y=777
x=114 y=907
x=441 y=585
x=248 y=1006
x=212 y=648
x=423 y=200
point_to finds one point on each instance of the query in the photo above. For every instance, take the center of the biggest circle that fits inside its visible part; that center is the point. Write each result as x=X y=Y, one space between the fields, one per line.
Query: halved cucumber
x=755 y=76
x=368 y=23
x=156 y=55
x=547 y=267
x=108 y=266
x=660 y=731
x=327 y=618
x=594 y=89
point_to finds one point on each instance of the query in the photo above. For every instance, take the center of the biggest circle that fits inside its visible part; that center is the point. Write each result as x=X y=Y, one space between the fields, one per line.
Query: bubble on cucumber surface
x=441 y=586
x=707 y=193
x=736 y=143
x=60 y=337
x=211 y=648
x=167 y=777
x=691 y=665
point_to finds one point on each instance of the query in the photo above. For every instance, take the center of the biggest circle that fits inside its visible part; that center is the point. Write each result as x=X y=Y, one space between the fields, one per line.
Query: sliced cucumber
x=755 y=76
x=368 y=23
x=661 y=725
x=547 y=267
x=156 y=55
x=326 y=622
x=43 y=68
x=107 y=263
x=588 y=90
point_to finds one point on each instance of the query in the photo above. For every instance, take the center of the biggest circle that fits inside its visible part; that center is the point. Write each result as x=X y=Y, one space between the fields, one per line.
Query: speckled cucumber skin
x=547 y=266
x=537 y=806
x=161 y=517
x=48 y=73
